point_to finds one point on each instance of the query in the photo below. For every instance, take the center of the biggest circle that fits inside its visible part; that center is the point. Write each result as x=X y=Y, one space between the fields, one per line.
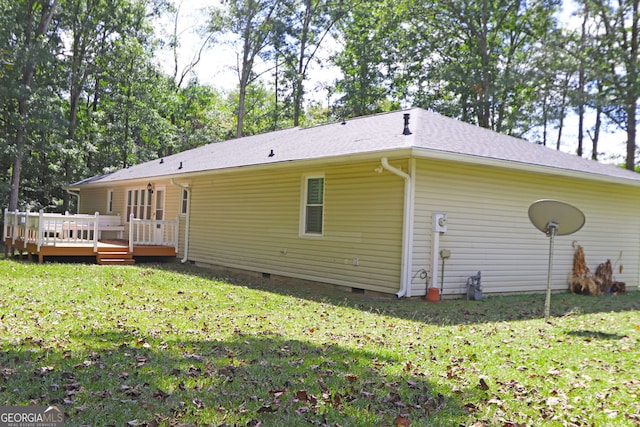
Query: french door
x=139 y=203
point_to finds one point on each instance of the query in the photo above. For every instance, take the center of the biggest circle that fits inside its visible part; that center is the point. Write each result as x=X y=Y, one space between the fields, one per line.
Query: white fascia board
x=527 y=167
x=373 y=156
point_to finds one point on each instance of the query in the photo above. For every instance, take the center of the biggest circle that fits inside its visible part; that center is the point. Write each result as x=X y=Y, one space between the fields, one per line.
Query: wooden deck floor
x=109 y=251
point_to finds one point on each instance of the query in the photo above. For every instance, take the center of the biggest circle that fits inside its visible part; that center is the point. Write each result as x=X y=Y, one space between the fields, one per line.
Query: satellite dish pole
x=554 y=218
x=552 y=228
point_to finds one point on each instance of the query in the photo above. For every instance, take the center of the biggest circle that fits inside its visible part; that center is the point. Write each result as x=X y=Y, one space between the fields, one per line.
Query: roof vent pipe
x=406 y=130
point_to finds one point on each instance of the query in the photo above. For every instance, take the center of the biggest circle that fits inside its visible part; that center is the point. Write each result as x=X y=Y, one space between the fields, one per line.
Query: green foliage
x=175 y=345
x=618 y=68
x=96 y=101
x=367 y=60
x=84 y=95
x=251 y=23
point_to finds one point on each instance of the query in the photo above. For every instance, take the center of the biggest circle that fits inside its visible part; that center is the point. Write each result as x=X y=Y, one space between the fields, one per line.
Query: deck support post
x=95 y=233
x=40 y=229
x=14 y=228
x=131 y=218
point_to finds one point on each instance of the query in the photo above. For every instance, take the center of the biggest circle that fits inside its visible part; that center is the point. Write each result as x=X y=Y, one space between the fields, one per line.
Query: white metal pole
x=551 y=231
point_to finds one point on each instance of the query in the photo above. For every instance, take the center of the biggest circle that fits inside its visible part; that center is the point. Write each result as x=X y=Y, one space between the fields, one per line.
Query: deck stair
x=116 y=255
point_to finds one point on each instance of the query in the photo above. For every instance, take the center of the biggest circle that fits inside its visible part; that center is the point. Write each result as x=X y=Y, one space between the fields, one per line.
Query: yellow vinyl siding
x=251 y=221
x=94 y=199
x=489 y=229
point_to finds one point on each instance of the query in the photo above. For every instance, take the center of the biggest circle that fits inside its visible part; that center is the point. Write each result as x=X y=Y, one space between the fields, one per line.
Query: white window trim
x=109 y=201
x=303 y=205
x=182 y=200
x=154 y=201
x=148 y=208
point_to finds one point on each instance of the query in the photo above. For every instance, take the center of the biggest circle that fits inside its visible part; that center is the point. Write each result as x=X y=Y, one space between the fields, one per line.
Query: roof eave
x=520 y=166
x=297 y=163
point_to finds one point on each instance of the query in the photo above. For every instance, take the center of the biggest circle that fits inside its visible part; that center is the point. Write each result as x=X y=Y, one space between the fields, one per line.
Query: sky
x=216 y=69
x=216 y=65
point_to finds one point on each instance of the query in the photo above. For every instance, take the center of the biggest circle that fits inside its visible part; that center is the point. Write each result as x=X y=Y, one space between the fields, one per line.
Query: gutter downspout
x=187 y=220
x=72 y=193
x=407 y=224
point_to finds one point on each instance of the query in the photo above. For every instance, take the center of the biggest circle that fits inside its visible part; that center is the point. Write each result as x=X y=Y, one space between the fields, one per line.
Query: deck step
x=121 y=254
x=114 y=256
x=116 y=261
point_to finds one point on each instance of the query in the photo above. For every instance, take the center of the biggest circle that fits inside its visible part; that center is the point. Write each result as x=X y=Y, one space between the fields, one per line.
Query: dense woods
x=82 y=91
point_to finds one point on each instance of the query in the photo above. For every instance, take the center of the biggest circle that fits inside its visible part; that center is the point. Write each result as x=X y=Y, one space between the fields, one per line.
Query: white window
x=185 y=202
x=110 y=201
x=159 y=204
x=139 y=203
x=312 y=212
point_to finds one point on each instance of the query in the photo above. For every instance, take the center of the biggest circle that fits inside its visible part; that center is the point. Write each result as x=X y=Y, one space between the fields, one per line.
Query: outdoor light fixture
x=150 y=188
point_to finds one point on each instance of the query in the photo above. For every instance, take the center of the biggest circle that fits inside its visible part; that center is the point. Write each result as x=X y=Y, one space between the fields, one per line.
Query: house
x=369 y=203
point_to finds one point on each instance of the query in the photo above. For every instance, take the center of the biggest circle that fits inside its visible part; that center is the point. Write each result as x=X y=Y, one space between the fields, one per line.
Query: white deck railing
x=153 y=232
x=48 y=229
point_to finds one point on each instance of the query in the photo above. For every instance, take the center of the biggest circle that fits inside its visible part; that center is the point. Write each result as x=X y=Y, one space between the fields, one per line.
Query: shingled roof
x=432 y=136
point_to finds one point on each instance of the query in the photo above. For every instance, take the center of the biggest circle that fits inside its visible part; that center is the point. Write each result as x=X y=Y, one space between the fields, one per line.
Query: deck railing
x=153 y=232
x=49 y=229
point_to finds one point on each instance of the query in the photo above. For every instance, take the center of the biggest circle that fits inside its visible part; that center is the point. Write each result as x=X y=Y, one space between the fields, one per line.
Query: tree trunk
x=631 y=135
x=46 y=14
x=300 y=75
x=632 y=94
x=596 y=131
x=245 y=72
x=240 y=116
x=17 y=162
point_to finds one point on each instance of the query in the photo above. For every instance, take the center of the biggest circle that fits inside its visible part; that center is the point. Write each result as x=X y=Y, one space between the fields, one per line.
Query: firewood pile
x=582 y=281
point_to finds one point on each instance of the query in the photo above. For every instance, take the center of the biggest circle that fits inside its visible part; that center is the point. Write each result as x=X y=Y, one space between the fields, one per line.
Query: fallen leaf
x=402 y=421
x=611 y=413
x=302 y=410
x=482 y=384
x=470 y=407
x=159 y=394
x=267 y=409
x=551 y=401
x=277 y=393
x=554 y=371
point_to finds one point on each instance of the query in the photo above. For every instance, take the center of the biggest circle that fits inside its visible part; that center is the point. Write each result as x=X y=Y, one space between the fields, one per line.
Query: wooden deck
x=80 y=235
x=108 y=251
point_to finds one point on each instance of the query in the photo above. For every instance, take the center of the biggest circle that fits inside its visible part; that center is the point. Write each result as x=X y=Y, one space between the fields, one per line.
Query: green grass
x=173 y=345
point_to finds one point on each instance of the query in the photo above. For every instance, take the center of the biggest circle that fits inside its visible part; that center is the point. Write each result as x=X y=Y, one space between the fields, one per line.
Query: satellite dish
x=554 y=218
x=569 y=219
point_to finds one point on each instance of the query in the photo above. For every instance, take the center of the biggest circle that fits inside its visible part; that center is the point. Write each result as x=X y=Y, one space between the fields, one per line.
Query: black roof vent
x=406 y=130
x=271 y=154
x=180 y=167
x=161 y=161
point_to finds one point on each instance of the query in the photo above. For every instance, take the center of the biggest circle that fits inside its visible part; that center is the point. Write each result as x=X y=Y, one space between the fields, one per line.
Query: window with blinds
x=313 y=212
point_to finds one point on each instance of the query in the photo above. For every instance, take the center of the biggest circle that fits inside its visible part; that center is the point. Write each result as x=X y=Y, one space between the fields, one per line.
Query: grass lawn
x=171 y=345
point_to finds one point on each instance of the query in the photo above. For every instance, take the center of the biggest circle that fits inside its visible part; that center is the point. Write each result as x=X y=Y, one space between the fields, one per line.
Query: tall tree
x=367 y=59
x=619 y=42
x=93 y=27
x=310 y=24
x=252 y=22
x=33 y=50
x=181 y=68
x=484 y=67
